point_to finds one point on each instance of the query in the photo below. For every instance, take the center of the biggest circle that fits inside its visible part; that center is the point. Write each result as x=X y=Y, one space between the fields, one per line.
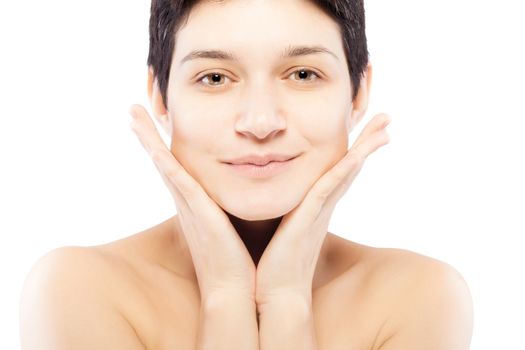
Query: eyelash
x=199 y=80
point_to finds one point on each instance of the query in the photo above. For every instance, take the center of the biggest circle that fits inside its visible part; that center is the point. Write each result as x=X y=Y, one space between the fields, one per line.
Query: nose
x=260 y=116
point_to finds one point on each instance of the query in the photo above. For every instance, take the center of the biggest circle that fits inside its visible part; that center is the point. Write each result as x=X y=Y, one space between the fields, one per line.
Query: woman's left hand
x=286 y=268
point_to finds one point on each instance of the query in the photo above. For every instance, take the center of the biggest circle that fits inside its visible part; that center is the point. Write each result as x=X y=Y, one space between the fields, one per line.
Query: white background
x=449 y=185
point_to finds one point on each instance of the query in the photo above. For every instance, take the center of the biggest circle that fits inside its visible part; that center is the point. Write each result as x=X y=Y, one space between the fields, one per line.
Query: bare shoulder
x=428 y=302
x=66 y=303
x=397 y=265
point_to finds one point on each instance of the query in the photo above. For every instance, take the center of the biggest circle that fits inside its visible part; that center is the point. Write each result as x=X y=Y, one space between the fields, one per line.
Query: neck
x=256 y=235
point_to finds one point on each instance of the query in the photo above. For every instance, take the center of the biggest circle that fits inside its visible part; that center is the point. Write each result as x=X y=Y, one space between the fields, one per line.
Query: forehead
x=257 y=30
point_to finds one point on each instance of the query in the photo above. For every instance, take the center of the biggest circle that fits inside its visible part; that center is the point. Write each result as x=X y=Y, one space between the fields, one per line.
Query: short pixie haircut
x=167 y=16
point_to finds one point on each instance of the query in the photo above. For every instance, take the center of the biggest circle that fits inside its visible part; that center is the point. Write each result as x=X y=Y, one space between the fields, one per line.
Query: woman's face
x=259 y=103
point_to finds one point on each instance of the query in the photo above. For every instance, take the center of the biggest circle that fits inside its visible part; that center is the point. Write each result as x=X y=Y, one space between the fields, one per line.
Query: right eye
x=214 y=78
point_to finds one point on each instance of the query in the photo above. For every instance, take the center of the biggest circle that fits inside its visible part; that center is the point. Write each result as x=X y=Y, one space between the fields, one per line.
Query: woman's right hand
x=222 y=263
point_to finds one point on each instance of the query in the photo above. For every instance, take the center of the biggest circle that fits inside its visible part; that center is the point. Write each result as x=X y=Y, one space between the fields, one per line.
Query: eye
x=215 y=79
x=303 y=73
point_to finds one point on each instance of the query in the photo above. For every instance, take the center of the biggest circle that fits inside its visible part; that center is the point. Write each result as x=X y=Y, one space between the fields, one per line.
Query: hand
x=286 y=268
x=222 y=263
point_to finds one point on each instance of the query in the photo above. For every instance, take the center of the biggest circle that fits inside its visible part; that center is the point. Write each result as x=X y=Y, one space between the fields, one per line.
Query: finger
x=148 y=136
x=379 y=122
x=344 y=181
x=332 y=185
x=369 y=144
x=172 y=172
x=180 y=202
x=194 y=198
x=371 y=138
x=350 y=168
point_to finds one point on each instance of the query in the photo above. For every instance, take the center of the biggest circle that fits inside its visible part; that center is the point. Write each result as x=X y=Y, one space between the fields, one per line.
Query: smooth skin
x=147 y=291
x=104 y=297
x=222 y=262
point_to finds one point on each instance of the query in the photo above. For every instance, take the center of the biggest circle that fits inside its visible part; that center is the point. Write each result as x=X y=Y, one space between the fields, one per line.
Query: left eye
x=304 y=72
x=216 y=77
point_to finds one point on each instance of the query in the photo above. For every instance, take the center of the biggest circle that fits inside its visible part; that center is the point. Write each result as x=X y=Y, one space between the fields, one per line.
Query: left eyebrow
x=290 y=51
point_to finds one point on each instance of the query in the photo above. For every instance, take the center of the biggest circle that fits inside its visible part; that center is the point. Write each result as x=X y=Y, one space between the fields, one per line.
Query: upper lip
x=261 y=159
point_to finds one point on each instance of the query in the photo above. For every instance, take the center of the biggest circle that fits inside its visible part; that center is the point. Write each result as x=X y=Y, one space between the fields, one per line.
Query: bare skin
x=142 y=292
x=355 y=289
x=164 y=306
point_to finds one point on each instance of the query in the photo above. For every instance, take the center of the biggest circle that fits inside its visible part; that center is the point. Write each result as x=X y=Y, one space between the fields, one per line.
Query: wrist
x=285 y=303
x=218 y=299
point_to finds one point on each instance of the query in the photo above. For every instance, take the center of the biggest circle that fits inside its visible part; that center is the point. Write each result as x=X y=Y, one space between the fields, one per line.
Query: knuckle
x=172 y=174
x=356 y=158
x=156 y=155
x=192 y=187
x=322 y=195
x=341 y=177
x=184 y=184
x=188 y=190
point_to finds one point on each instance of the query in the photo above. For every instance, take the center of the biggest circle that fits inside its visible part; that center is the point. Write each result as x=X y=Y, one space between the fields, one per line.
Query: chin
x=256 y=209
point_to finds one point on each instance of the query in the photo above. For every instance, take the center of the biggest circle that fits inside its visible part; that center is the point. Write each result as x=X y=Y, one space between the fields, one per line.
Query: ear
x=157 y=105
x=360 y=103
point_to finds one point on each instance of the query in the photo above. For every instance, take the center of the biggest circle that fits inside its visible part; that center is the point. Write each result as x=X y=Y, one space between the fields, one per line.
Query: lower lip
x=261 y=171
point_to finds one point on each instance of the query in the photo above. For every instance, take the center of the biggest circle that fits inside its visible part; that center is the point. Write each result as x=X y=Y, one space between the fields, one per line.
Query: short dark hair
x=167 y=16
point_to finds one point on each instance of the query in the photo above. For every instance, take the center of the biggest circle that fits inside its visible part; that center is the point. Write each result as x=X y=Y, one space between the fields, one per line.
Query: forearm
x=228 y=322
x=287 y=325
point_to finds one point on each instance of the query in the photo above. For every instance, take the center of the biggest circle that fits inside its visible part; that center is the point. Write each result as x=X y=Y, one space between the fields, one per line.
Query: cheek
x=189 y=140
x=195 y=125
x=315 y=119
x=321 y=120
x=322 y=123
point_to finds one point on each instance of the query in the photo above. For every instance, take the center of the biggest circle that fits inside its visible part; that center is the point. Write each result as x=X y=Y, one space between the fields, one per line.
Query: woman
x=259 y=98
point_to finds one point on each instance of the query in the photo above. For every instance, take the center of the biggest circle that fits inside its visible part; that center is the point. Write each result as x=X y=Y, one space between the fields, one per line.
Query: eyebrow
x=290 y=51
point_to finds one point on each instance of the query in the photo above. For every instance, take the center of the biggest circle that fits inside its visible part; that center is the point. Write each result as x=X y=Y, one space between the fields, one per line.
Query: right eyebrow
x=290 y=51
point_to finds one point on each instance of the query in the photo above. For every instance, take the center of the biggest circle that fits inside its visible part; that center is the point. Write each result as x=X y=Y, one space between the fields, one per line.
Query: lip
x=261 y=159
x=271 y=168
